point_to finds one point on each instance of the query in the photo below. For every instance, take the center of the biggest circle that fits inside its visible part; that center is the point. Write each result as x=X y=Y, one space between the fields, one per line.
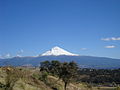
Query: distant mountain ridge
x=82 y=61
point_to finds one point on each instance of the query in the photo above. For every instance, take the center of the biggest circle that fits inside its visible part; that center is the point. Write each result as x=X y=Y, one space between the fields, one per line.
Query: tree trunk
x=65 y=86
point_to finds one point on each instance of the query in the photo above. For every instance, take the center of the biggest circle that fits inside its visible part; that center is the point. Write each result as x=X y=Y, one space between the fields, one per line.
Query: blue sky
x=85 y=27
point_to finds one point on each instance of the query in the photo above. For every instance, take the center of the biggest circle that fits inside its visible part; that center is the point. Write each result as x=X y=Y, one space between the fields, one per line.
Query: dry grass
x=29 y=79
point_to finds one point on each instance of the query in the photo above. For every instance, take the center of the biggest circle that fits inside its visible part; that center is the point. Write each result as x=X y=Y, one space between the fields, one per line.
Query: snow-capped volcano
x=56 y=51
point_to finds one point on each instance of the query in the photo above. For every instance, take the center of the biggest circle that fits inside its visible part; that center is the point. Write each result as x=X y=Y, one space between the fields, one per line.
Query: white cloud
x=6 y=56
x=111 y=39
x=105 y=39
x=110 y=46
x=19 y=53
x=83 y=48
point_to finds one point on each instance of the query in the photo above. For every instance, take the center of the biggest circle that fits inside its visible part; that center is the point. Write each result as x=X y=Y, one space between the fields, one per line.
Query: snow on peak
x=56 y=51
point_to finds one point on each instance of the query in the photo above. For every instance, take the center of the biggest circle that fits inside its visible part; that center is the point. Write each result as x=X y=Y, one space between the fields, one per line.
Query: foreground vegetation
x=55 y=75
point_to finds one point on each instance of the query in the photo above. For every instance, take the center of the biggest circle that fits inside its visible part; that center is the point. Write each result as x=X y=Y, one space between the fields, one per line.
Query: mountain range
x=57 y=53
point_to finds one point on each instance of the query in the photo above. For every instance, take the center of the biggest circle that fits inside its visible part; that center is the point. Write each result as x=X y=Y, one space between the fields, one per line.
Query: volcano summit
x=57 y=51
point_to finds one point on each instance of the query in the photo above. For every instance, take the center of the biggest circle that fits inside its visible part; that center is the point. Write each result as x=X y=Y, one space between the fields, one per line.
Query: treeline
x=69 y=72
x=99 y=76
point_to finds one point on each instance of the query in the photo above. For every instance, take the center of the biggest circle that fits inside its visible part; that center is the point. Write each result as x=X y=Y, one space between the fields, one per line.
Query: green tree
x=68 y=72
x=45 y=66
x=55 y=67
